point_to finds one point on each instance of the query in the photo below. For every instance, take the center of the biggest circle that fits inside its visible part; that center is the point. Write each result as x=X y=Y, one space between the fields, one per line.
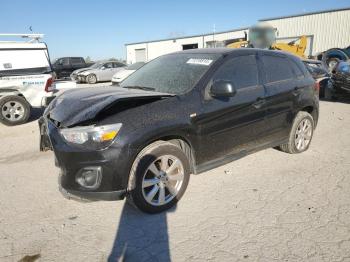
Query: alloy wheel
x=303 y=134
x=12 y=111
x=162 y=180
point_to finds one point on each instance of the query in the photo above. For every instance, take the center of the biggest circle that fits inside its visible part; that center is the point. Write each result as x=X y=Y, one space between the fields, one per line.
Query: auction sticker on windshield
x=198 y=61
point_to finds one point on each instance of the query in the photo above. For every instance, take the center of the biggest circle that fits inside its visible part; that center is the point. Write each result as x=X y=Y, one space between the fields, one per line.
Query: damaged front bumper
x=113 y=165
x=92 y=196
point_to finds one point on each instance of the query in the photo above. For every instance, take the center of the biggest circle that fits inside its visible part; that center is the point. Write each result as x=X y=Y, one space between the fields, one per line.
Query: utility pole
x=214 y=35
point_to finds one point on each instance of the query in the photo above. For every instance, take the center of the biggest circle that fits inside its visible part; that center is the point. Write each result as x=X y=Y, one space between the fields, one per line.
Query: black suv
x=180 y=114
x=64 y=66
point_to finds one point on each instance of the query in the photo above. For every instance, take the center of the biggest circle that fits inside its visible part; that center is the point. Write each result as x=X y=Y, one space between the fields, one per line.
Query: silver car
x=98 y=72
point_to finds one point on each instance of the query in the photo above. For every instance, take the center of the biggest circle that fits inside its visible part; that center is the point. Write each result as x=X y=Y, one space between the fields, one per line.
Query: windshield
x=96 y=65
x=174 y=73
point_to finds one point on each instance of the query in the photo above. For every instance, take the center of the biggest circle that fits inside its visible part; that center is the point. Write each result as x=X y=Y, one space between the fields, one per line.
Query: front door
x=107 y=72
x=230 y=125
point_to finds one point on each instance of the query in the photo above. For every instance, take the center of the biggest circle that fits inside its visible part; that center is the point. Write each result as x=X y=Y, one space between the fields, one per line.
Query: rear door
x=281 y=87
x=230 y=125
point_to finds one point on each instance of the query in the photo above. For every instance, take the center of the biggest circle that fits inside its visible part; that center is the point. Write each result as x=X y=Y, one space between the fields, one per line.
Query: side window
x=242 y=71
x=108 y=65
x=76 y=60
x=277 y=68
x=63 y=61
x=116 y=65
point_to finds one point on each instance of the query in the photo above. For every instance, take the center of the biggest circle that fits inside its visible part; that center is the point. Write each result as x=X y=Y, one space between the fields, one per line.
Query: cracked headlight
x=91 y=137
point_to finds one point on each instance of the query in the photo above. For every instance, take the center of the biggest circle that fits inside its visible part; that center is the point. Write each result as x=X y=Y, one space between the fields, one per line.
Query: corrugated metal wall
x=329 y=29
x=324 y=30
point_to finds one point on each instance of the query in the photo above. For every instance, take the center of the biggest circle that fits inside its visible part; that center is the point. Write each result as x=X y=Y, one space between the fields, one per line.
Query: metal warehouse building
x=324 y=30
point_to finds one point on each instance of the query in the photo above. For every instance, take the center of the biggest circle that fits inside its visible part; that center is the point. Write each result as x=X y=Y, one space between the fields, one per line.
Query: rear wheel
x=300 y=135
x=159 y=177
x=91 y=79
x=15 y=110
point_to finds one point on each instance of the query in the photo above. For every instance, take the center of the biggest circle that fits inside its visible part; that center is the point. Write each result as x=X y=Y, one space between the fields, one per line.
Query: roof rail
x=31 y=37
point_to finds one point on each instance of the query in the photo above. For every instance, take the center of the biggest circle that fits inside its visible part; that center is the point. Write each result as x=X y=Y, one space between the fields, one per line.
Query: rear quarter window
x=277 y=68
x=296 y=69
x=76 y=60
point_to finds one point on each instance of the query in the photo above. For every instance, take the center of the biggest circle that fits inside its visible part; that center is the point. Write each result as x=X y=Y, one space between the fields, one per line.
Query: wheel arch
x=312 y=111
x=182 y=142
x=10 y=92
x=96 y=75
x=177 y=140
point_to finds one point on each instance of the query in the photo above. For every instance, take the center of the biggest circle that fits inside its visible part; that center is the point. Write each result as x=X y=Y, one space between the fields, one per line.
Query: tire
x=323 y=86
x=91 y=79
x=329 y=92
x=14 y=110
x=297 y=134
x=158 y=156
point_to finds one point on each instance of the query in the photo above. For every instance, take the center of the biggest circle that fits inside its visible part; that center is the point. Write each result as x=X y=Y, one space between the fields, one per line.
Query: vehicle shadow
x=141 y=237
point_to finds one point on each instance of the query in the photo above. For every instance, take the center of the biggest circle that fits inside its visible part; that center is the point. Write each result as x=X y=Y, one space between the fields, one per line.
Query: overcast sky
x=100 y=29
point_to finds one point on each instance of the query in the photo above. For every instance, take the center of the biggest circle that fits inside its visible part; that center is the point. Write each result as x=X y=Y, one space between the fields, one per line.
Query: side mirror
x=103 y=68
x=222 y=88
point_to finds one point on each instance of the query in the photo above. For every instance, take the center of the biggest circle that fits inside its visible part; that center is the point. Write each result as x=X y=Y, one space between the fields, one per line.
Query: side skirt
x=229 y=158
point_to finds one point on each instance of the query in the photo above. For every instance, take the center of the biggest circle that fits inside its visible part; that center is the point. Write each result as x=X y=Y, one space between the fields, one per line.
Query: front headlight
x=91 y=137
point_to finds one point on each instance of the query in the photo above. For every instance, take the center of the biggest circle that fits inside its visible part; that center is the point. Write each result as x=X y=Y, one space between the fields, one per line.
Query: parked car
x=125 y=72
x=320 y=72
x=180 y=114
x=64 y=66
x=99 y=72
x=25 y=78
x=340 y=83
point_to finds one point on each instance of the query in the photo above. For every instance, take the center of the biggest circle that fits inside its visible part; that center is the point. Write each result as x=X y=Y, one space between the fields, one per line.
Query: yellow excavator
x=264 y=36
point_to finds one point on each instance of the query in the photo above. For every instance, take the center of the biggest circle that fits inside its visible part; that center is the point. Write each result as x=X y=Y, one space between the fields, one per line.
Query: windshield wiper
x=140 y=87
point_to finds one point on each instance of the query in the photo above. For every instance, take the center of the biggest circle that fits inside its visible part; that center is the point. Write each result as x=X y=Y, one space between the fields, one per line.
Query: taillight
x=48 y=85
x=317 y=86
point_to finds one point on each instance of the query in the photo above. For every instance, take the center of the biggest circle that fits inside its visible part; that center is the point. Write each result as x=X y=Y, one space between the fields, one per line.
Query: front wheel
x=15 y=110
x=300 y=135
x=159 y=177
x=91 y=79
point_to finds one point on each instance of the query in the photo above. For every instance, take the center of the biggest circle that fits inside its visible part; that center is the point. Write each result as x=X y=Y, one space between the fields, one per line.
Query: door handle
x=259 y=103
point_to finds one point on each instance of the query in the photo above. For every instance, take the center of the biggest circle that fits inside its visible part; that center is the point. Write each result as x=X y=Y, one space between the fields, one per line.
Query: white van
x=25 y=78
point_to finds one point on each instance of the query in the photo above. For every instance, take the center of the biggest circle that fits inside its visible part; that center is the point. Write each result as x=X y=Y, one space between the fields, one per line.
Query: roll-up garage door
x=140 y=55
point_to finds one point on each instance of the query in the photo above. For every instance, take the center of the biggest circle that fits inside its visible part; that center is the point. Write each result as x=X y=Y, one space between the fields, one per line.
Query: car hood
x=79 y=105
x=88 y=71
x=81 y=70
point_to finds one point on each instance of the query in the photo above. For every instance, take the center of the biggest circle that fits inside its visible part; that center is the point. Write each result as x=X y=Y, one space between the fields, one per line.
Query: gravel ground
x=269 y=206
